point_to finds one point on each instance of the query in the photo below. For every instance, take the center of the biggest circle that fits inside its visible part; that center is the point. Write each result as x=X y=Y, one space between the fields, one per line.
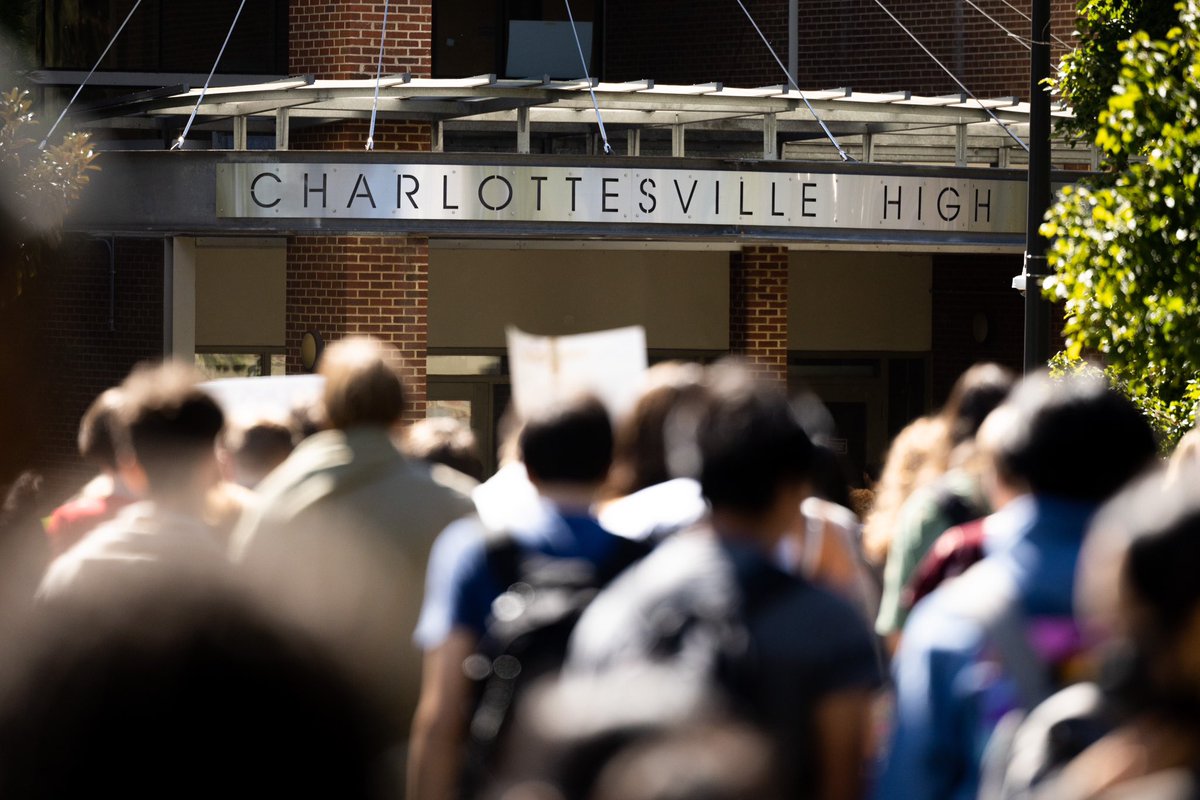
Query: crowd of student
x=680 y=604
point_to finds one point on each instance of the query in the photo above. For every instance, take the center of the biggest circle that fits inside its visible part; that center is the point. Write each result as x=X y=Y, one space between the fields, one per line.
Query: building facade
x=877 y=316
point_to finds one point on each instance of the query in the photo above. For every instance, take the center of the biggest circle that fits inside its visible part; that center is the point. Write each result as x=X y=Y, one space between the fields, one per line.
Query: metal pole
x=1037 y=333
x=794 y=39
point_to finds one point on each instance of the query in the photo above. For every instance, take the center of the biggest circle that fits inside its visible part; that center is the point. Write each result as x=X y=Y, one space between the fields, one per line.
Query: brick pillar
x=362 y=285
x=341 y=40
x=758 y=309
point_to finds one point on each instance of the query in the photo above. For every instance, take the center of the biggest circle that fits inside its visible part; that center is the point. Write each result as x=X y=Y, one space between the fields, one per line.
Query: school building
x=857 y=236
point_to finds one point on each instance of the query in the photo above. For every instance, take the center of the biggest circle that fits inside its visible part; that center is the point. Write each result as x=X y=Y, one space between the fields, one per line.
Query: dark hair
x=96 y=440
x=640 y=452
x=259 y=446
x=168 y=422
x=178 y=688
x=1152 y=529
x=1073 y=438
x=743 y=442
x=1163 y=526
x=569 y=442
x=361 y=386
x=444 y=440
x=976 y=393
x=828 y=476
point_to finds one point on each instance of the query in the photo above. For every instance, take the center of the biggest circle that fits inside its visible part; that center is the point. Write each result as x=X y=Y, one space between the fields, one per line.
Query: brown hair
x=640 y=453
x=96 y=443
x=169 y=422
x=361 y=385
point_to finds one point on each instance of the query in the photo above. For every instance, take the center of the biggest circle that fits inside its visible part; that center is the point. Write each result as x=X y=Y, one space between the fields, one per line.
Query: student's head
x=362 y=387
x=744 y=442
x=444 y=440
x=163 y=687
x=254 y=447
x=640 y=458
x=169 y=427
x=568 y=442
x=1138 y=581
x=975 y=394
x=96 y=440
x=1073 y=438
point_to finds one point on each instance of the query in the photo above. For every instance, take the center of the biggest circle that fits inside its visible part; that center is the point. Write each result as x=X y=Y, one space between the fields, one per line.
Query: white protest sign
x=548 y=369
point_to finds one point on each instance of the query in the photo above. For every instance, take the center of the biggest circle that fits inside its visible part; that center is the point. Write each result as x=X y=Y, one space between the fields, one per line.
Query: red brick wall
x=59 y=351
x=965 y=286
x=370 y=285
x=842 y=43
x=352 y=135
x=758 y=300
x=341 y=39
x=376 y=285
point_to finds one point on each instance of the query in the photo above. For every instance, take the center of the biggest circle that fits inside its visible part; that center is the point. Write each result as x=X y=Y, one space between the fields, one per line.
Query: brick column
x=758 y=309
x=341 y=40
x=362 y=285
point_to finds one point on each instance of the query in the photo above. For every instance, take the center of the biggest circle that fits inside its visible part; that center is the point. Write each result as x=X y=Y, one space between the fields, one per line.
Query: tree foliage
x=1126 y=250
x=1087 y=74
x=37 y=187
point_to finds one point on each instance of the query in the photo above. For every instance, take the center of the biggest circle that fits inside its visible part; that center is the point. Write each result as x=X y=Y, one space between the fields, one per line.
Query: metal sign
x=473 y=193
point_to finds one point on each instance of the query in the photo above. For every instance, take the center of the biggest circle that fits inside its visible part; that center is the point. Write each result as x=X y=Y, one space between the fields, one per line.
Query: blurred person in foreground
x=160 y=688
x=105 y=494
x=1073 y=443
x=1139 y=598
x=166 y=452
x=711 y=605
x=566 y=449
x=340 y=534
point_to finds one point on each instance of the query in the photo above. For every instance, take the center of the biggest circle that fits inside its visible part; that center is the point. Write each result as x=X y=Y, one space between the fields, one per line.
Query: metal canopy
x=487 y=104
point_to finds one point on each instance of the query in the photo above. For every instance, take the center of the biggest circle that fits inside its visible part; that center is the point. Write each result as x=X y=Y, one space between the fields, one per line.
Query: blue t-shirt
x=459 y=587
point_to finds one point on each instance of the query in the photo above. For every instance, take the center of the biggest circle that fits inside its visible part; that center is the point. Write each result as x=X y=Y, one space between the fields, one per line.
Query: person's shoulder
x=948 y=620
x=450 y=478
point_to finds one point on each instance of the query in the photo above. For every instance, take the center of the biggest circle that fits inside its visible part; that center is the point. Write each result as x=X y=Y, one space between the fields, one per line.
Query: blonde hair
x=916 y=457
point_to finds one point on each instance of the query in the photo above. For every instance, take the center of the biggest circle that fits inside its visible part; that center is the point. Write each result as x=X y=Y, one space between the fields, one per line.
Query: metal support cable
x=228 y=35
x=1027 y=18
x=74 y=97
x=591 y=90
x=946 y=69
x=378 y=77
x=792 y=82
x=1023 y=41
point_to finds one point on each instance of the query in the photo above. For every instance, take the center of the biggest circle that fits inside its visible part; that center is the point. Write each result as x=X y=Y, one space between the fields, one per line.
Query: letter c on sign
x=254 y=189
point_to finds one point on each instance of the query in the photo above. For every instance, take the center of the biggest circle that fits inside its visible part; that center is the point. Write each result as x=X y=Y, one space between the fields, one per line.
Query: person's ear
x=133 y=475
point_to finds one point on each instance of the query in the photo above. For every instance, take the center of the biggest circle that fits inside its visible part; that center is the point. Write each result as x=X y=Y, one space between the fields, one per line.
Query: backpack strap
x=990 y=598
x=625 y=553
x=504 y=559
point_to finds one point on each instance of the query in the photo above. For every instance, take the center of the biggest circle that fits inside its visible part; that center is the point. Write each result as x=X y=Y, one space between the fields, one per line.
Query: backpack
x=1056 y=714
x=528 y=632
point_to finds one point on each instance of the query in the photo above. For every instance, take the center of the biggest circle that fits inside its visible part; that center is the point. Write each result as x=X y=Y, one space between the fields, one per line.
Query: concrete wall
x=681 y=297
x=866 y=301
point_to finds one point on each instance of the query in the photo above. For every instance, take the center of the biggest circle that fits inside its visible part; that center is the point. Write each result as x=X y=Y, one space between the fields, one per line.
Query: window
x=477 y=37
x=240 y=365
x=165 y=36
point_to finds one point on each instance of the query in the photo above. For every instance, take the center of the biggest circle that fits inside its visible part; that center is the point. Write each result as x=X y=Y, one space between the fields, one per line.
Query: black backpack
x=528 y=632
